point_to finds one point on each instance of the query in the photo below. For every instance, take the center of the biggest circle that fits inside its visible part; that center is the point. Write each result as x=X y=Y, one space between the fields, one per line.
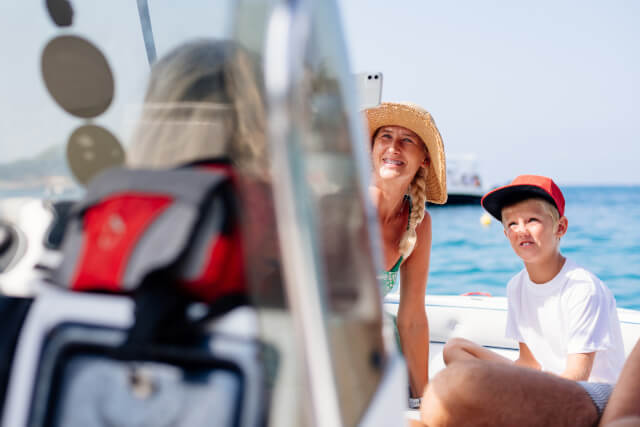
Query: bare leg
x=625 y=399
x=459 y=349
x=625 y=422
x=479 y=393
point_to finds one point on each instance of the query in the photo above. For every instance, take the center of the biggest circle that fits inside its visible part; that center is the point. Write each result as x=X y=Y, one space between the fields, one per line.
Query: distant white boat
x=24 y=222
x=464 y=183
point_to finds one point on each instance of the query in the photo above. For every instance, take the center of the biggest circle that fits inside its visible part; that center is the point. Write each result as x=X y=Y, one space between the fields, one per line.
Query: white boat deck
x=483 y=320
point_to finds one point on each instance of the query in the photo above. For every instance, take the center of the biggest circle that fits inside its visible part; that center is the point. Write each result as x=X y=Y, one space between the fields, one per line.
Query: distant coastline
x=45 y=171
x=60 y=182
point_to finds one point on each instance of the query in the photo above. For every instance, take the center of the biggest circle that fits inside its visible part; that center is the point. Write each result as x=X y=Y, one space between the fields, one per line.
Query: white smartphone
x=369 y=86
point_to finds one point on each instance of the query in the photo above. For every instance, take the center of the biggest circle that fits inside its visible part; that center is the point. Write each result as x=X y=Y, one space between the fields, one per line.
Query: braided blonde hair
x=418 y=194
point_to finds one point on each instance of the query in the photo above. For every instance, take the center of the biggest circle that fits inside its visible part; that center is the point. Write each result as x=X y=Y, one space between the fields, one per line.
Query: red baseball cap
x=520 y=188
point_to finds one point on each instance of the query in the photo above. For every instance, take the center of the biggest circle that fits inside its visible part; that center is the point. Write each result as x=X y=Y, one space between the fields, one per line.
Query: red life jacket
x=176 y=228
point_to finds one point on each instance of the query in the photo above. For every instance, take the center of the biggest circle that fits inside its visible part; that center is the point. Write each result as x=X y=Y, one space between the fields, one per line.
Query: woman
x=408 y=170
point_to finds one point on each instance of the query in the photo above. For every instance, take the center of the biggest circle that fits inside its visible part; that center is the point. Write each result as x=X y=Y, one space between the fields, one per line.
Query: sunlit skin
x=397 y=154
x=534 y=238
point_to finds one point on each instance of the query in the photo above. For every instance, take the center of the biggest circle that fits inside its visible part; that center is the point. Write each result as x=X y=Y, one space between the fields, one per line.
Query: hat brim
x=495 y=200
x=418 y=120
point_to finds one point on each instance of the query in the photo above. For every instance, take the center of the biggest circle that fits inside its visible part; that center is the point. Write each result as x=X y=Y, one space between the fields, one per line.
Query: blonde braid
x=418 y=194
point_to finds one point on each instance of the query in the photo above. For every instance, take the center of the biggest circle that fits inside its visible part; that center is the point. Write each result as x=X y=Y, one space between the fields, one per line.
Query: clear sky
x=528 y=87
x=30 y=120
x=541 y=87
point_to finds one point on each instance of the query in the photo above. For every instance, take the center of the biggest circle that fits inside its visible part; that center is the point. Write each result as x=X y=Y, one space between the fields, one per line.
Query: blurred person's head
x=203 y=102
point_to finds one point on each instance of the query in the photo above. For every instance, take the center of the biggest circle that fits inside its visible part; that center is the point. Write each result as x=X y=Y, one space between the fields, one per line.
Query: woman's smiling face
x=397 y=151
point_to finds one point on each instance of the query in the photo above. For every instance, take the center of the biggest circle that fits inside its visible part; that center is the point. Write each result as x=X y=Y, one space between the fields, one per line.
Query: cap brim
x=495 y=200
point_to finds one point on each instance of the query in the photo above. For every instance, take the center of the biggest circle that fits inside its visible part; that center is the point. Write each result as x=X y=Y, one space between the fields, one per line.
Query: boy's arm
x=579 y=366
x=526 y=358
x=592 y=321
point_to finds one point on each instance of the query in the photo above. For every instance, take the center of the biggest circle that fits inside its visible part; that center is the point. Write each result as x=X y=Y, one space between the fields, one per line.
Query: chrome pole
x=147 y=32
x=287 y=35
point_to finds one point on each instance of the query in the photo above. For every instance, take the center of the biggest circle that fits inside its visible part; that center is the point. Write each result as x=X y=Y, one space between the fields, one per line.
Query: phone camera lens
x=376 y=77
x=369 y=77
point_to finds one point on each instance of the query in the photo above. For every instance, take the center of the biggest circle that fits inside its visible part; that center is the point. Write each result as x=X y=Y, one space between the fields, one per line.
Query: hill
x=49 y=162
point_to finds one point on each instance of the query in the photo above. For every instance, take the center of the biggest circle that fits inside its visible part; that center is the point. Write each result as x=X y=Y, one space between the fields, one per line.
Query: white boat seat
x=483 y=320
x=69 y=369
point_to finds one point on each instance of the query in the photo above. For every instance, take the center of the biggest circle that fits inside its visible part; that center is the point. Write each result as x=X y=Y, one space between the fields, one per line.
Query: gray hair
x=203 y=101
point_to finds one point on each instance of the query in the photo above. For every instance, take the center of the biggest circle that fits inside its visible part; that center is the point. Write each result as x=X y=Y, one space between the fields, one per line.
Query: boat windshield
x=73 y=96
x=99 y=49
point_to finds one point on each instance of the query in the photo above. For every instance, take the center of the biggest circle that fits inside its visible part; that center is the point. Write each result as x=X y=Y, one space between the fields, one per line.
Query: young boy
x=563 y=317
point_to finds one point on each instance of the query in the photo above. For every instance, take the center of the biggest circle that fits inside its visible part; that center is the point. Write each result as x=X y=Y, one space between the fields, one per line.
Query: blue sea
x=603 y=236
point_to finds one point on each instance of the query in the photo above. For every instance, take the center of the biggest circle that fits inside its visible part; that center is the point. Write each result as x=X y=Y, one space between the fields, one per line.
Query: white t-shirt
x=572 y=313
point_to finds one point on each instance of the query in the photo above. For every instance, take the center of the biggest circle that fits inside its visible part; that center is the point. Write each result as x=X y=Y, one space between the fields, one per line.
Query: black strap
x=158 y=307
x=12 y=312
x=161 y=317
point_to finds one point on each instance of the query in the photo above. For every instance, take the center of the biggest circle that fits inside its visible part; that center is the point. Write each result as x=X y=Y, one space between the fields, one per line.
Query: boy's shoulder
x=577 y=274
x=575 y=278
x=582 y=281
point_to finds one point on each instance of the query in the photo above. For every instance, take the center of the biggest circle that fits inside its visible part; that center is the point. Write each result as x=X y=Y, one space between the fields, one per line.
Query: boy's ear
x=563 y=224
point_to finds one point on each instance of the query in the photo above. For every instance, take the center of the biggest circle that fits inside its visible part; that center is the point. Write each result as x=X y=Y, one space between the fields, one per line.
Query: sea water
x=603 y=236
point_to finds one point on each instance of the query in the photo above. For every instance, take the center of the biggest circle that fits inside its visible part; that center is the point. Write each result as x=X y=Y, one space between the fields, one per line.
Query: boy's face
x=530 y=229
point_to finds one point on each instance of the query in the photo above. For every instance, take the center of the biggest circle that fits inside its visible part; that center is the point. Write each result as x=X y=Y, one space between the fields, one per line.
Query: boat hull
x=461 y=199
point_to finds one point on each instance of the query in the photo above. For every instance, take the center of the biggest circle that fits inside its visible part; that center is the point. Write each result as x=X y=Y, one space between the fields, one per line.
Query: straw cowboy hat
x=417 y=119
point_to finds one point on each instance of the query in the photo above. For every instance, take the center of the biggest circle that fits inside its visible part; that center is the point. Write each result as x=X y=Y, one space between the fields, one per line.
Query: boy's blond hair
x=546 y=205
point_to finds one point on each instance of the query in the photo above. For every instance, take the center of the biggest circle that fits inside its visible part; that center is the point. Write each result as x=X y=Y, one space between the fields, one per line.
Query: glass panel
x=336 y=171
x=329 y=162
x=34 y=128
x=38 y=118
x=174 y=22
x=263 y=249
x=72 y=90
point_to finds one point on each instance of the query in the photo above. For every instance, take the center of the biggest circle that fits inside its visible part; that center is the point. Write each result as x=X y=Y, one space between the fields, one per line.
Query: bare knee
x=435 y=409
x=448 y=399
x=454 y=348
x=477 y=392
